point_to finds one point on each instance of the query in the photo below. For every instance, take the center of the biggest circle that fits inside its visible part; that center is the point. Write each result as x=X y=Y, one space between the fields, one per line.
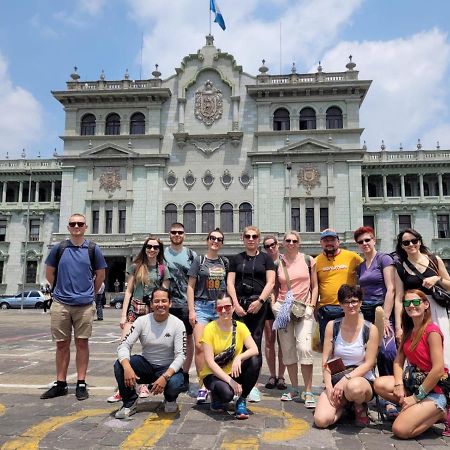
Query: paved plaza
x=26 y=422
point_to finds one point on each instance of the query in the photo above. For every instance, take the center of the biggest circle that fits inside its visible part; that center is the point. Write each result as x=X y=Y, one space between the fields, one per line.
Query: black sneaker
x=55 y=391
x=185 y=386
x=81 y=392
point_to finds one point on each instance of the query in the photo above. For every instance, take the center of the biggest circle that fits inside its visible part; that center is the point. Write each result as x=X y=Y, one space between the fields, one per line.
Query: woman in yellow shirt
x=227 y=360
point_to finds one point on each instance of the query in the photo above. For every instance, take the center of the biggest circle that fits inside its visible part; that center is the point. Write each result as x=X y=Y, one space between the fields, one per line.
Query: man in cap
x=335 y=267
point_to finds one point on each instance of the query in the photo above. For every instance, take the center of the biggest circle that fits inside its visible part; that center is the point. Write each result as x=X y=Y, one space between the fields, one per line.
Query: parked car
x=31 y=299
x=117 y=301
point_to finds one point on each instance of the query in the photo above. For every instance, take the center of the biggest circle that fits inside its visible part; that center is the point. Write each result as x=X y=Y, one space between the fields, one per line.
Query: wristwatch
x=166 y=377
x=261 y=300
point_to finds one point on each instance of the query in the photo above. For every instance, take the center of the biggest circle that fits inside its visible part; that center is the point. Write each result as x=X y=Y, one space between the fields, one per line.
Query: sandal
x=272 y=383
x=290 y=395
x=362 y=415
x=309 y=399
x=281 y=384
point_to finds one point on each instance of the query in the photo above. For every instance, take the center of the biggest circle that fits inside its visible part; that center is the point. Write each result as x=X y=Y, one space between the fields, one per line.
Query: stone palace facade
x=212 y=146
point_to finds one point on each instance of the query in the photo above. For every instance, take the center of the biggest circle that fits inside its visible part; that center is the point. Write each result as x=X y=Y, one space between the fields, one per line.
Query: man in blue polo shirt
x=75 y=265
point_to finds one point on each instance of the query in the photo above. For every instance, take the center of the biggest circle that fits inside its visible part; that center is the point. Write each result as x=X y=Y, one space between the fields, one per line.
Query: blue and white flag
x=215 y=9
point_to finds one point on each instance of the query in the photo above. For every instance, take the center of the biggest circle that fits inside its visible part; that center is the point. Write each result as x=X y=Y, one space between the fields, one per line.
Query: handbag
x=338 y=370
x=413 y=377
x=439 y=294
x=223 y=358
x=298 y=308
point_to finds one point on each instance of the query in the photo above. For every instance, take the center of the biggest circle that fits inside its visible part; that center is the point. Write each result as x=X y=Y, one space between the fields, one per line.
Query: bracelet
x=347 y=375
x=421 y=394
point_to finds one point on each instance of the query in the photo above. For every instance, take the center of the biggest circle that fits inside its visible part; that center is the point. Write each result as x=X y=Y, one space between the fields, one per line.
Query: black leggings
x=223 y=393
x=255 y=323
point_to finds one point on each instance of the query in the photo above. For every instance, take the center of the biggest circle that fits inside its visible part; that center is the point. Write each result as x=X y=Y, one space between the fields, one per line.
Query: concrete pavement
x=26 y=422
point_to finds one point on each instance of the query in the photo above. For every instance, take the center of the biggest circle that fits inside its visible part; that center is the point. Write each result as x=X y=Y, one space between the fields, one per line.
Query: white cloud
x=409 y=94
x=92 y=7
x=21 y=115
x=250 y=35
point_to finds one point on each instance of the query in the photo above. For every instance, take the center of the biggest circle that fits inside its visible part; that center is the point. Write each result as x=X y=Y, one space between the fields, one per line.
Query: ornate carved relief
x=110 y=180
x=207 y=146
x=171 y=179
x=208 y=104
x=226 y=179
x=208 y=179
x=309 y=178
x=245 y=179
x=189 y=179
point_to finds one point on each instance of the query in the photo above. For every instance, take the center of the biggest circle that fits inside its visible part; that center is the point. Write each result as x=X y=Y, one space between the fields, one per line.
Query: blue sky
x=402 y=45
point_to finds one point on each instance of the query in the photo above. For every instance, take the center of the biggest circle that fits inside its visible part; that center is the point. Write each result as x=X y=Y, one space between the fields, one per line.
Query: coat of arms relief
x=309 y=177
x=208 y=104
x=110 y=180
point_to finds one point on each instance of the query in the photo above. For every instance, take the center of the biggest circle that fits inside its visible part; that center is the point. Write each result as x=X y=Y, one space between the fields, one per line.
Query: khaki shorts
x=296 y=339
x=64 y=317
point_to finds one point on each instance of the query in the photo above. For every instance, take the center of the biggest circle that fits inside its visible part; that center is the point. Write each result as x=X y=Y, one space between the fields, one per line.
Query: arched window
x=189 y=218
x=87 y=125
x=112 y=124
x=170 y=216
x=207 y=217
x=245 y=215
x=226 y=218
x=307 y=119
x=137 y=123
x=281 y=120
x=334 y=118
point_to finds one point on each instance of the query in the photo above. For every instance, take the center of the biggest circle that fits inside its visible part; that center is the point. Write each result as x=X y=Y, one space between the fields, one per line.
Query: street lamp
x=27 y=237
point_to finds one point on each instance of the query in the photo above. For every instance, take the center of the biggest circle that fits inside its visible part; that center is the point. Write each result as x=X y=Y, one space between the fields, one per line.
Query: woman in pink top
x=422 y=345
x=295 y=339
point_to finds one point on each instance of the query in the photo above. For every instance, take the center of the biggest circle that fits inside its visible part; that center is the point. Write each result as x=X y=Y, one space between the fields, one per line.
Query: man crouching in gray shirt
x=163 y=341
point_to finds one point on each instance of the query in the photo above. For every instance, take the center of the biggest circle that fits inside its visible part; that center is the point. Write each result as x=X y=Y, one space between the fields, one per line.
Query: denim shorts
x=205 y=310
x=439 y=400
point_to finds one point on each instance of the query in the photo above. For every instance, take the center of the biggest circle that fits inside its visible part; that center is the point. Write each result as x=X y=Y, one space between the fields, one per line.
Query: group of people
x=183 y=307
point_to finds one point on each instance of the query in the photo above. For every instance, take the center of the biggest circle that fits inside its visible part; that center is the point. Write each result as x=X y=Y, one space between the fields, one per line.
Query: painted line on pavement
x=30 y=439
x=19 y=338
x=150 y=432
x=45 y=386
x=2 y=409
x=295 y=428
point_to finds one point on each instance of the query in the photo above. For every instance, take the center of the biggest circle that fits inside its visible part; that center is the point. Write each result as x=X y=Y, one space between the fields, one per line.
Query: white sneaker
x=143 y=391
x=254 y=395
x=170 y=407
x=114 y=398
x=125 y=413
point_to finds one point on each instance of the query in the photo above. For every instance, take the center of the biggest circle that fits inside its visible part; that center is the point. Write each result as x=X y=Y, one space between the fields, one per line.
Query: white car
x=31 y=299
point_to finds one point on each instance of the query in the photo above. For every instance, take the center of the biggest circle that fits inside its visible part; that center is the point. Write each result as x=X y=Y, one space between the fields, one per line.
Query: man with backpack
x=179 y=259
x=71 y=269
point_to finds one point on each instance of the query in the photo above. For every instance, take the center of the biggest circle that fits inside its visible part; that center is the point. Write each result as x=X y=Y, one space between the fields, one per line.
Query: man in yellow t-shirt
x=335 y=267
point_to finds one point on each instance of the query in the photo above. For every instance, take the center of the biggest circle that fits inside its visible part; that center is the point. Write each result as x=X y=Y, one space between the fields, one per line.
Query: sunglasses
x=215 y=239
x=364 y=241
x=351 y=303
x=408 y=242
x=175 y=232
x=291 y=241
x=152 y=247
x=414 y=302
x=251 y=236
x=272 y=245
x=77 y=224
x=226 y=308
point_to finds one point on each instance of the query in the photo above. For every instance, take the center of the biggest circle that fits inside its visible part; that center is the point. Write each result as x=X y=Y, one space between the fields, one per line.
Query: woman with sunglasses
x=207 y=278
x=422 y=346
x=232 y=365
x=376 y=276
x=296 y=273
x=250 y=282
x=272 y=248
x=354 y=344
x=145 y=274
x=418 y=268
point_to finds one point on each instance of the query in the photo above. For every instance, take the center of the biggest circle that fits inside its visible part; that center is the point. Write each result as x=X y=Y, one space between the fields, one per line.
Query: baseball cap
x=329 y=232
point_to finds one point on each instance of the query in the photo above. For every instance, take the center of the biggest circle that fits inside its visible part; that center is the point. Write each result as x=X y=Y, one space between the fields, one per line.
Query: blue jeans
x=325 y=314
x=147 y=374
x=205 y=310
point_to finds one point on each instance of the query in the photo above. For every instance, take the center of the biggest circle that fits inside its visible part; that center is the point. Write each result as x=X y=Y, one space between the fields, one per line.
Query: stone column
x=20 y=192
x=402 y=187
x=36 y=194
x=440 y=186
x=366 y=187
x=316 y=215
x=115 y=217
x=235 y=105
x=384 y=188
x=181 y=114
x=5 y=188
x=101 y=218
x=421 y=189
x=52 y=193
x=302 y=207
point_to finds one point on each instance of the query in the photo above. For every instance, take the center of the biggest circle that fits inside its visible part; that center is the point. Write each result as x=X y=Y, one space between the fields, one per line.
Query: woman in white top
x=356 y=343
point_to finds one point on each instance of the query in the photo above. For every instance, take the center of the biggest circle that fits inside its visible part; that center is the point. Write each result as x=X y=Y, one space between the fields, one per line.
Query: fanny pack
x=223 y=358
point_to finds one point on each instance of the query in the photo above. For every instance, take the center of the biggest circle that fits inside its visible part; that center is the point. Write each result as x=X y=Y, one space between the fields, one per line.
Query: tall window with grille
x=137 y=123
x=189 y=221
x=122 y=221
x=95 y=221
x=226 y=218
x=281 y=120
x=324 y=220
x=307 y=119
x=245 y=215
x=404 y=221
x=170 y=216
x=108 y=221
x=369 y=221
x=334 y=118
x=112 y=124
x=207 y=217
x=35 y=225
x=295 y=218
x=88 y=125
x=443 y=226
x=3 y=225
x=309 y=217
x=31 y=272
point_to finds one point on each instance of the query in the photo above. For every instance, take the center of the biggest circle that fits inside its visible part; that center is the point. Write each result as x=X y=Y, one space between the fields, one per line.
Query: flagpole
x=209 y=20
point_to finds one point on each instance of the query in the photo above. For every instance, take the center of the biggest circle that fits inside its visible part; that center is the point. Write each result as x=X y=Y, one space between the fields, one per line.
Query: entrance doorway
x=115 y=271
